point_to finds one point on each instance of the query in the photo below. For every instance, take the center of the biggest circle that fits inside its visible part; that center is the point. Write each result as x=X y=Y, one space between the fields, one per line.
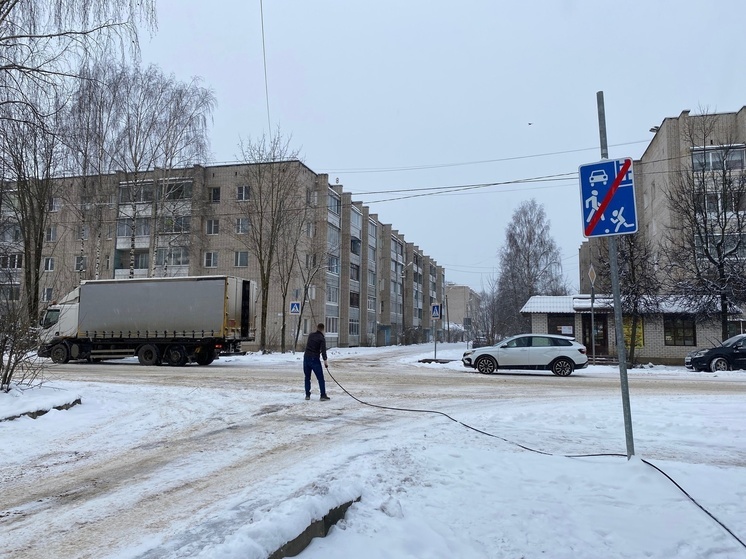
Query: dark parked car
x=731 y=354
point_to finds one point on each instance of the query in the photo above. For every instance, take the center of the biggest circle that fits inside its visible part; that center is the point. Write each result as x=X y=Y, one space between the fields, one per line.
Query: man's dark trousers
x=314 y=364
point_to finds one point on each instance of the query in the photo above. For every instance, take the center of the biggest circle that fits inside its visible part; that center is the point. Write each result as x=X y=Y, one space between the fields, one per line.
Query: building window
x=310 y=261
x=55 y=204
x=49 y=264
x=354 y=300
x=241 y=259
x=639 y=332
x=142 y=261
x=718 y=158
x=11 y=261
x=354 y=327
x=10 y=292
x=136 y=192
x=335 y=204
x=51 y=234
x=83 y=232
x=354 y=272
x=81 y=263
x=679 y=330
x=172 y=256
x=215 y=195
x=242 y=193
x=46 y=295
x=332 y=295
x=355 y=245
x=176 y=224
x=333 y=264
x=562 y=324
x=242 y=225
x=332 y=325
x=372 y=304
x=142 y=227
x=213 y=226
x=211 y=259
x=176 y=191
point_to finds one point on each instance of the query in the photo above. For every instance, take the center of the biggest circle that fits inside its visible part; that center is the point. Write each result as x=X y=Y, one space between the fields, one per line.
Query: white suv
x=559 y=354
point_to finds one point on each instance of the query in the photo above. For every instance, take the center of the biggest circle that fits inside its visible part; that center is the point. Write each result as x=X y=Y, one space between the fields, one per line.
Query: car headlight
x=700 y=353
x=467 y=354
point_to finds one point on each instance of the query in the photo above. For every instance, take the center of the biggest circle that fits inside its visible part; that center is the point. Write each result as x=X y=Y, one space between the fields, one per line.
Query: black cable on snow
x=529 y=449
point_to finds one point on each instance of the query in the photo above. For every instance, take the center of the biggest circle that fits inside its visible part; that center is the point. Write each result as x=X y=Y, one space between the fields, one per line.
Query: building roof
x=565 y=304
x=570 y=304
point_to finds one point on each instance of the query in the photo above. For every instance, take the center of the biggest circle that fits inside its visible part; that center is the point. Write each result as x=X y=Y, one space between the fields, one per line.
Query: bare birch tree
x=530 y=264
x=42 y=42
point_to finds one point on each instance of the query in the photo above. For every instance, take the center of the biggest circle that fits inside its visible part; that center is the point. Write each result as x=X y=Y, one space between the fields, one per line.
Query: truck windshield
x=51 y=318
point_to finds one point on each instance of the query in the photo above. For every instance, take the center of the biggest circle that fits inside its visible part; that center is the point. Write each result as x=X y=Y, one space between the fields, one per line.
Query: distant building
x=355 y=274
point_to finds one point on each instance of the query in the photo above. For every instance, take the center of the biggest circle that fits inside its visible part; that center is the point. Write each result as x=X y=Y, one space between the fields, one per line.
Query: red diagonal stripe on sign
x=609 y=196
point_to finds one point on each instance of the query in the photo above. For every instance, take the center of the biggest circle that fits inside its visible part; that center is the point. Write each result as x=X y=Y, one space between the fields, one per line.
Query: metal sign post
x=619 y=203
x=435 y=314
x=592 y=277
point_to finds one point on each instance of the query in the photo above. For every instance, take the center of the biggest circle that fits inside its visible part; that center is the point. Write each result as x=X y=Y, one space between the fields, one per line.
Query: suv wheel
x=486 y=365
x=719 y=364
x=563 y=367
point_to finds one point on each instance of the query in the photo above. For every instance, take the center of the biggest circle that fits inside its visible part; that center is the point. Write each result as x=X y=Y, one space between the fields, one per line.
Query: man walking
x=315 y=350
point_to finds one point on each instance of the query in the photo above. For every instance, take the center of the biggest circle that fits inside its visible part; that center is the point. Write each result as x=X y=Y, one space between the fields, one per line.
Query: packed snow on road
x=230 y=461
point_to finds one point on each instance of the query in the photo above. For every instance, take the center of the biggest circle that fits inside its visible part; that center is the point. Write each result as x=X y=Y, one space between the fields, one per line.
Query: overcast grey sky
x=412 y=94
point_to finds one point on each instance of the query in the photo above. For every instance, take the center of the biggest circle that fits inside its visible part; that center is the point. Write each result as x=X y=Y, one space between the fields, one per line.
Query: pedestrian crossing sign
x=295 y=307
x=435 y=313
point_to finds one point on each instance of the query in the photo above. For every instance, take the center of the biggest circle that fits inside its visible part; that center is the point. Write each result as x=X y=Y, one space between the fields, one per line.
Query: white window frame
x=210 y=259
x=241 y=259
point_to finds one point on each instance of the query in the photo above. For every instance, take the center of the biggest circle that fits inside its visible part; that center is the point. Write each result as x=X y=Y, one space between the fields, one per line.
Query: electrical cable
x=529 y=449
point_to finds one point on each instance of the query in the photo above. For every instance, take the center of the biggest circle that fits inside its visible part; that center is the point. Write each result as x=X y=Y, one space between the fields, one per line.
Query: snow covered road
x=170 y=462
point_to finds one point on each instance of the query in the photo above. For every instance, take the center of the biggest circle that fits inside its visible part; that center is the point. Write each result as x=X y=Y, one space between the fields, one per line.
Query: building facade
x=347 y=269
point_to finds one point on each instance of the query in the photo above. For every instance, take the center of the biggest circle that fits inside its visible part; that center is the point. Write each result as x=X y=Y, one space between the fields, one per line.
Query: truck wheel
x=176 y=355
x=148 y=355
x=60 y=354
x=206 y=355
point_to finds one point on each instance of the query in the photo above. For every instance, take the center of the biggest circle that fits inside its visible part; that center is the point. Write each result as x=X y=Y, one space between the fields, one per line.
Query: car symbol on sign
x=599 y=175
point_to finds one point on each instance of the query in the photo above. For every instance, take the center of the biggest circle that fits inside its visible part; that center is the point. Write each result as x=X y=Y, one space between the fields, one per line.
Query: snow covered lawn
x=233 y=462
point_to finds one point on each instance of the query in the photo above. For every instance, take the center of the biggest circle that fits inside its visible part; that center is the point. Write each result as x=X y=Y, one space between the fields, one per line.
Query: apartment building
x=350 y=271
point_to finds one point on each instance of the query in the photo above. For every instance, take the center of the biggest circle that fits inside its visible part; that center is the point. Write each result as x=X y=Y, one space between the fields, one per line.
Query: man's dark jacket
x=316 y=345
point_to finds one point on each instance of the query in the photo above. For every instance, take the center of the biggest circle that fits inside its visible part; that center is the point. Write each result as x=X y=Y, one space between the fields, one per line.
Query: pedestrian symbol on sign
x=295 y=307
x=435 y=312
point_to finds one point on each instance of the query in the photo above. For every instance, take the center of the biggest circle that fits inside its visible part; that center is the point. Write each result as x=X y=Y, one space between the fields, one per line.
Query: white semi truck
x=160 y=320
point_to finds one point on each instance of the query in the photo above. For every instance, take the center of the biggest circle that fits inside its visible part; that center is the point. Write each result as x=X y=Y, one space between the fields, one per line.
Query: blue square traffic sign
x=607 y=195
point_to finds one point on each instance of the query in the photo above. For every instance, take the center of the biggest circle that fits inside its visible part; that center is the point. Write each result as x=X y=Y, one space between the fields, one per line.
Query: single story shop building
x=664 y=337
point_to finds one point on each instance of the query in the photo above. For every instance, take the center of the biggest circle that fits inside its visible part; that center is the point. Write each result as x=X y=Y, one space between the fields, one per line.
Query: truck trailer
x=160 y=320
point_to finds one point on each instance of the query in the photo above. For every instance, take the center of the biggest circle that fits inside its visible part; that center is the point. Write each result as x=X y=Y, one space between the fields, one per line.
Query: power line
x=465 y=163
x=266 y=81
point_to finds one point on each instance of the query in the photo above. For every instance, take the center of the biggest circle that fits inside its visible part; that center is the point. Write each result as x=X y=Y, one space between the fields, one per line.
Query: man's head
x=320 y=327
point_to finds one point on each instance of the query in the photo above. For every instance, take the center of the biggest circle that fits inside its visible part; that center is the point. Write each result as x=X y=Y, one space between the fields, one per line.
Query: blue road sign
x=295 y=307
x=607 y=194
x=435 y=313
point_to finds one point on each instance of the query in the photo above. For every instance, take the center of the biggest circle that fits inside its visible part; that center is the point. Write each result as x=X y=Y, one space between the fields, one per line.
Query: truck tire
x=60 y=353
x=205 y=355
x=176 y=356
x=148 y=354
